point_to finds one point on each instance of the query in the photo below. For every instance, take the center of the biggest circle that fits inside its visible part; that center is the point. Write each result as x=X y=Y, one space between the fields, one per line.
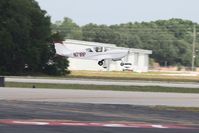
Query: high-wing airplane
x=101 y=54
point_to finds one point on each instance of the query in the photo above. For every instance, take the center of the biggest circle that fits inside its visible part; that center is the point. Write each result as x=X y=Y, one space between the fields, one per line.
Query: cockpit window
x=89 y=50
x=98 y=49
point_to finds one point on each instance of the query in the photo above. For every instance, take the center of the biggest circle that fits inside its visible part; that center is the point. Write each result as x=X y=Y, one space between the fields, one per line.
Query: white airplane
x=101 y=54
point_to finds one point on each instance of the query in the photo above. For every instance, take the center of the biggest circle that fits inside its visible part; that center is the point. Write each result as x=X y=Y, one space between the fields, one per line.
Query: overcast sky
x=120 y=11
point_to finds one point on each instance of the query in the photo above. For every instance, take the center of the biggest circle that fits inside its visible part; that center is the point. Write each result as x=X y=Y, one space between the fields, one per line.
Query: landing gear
x=100 y=63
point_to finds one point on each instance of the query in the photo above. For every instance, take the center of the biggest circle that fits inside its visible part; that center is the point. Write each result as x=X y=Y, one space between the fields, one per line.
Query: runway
x=100 y=97
x=59 y=117
x=36 y=110
x=103 y=82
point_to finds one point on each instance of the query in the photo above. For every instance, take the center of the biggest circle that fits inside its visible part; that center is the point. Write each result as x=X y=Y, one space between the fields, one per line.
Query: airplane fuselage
x=113 y=54
x=97 y=53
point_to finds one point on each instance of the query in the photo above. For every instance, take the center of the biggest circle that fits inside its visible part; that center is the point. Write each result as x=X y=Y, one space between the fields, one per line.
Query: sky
x=120 y=11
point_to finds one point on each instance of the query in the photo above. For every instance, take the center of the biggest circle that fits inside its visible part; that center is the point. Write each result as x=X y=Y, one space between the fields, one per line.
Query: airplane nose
x=121 y=51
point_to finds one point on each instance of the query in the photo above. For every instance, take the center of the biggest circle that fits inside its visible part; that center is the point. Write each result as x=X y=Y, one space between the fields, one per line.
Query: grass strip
x=149 y=76
x=104 y=87
x=169 y=108
x=142 y=78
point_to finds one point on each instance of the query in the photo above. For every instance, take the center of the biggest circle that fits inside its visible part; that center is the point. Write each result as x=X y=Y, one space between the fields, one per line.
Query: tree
x=68 y=29
x=24 y=37
x=56 y=65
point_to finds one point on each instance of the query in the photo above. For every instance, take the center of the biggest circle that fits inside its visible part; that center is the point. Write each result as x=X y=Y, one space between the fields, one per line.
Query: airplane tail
x=61 y=49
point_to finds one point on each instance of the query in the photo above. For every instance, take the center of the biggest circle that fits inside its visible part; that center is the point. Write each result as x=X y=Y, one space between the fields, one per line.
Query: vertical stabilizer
x=61 y=49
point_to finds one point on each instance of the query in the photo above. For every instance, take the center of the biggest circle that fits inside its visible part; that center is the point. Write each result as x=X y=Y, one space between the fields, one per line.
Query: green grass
x=169 y=108
x=104 y=87
x=149 y=76
x=127 y=75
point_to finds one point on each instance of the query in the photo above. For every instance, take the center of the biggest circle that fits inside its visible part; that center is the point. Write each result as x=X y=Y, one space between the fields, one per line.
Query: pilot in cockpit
x=98 y=49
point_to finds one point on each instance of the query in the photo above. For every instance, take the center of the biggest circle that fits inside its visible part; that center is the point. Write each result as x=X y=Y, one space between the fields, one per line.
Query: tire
x=121 y=64
x=100 y=63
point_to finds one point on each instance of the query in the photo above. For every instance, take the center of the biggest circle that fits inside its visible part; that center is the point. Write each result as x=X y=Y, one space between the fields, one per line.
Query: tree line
x=170 y=40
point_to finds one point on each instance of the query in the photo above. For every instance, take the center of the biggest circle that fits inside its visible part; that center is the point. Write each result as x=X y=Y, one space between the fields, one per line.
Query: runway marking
x=158 y=126
x=30 y=123
x=91 y=124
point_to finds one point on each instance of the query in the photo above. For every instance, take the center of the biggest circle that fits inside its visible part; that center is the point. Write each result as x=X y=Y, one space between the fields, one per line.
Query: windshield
x=89 y=50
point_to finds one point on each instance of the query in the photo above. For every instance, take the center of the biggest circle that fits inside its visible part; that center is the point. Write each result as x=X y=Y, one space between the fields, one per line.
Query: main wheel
x=100 y=63
x=121 y=64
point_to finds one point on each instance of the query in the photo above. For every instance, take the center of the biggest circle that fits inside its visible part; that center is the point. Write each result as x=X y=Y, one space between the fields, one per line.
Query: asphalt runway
x=84 y=111
x=100 y=97
x=103 y=82
x=59 y=117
